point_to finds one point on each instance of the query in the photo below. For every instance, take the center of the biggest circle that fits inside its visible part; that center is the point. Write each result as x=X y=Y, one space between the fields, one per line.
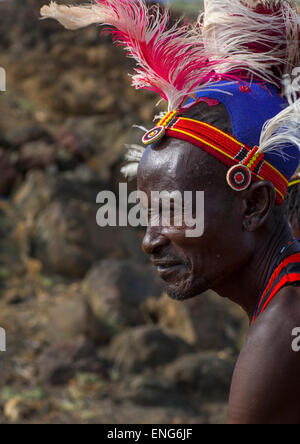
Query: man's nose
x=153 y=240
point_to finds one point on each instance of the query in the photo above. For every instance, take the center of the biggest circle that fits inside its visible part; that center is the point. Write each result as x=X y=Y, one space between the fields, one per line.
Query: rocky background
x=91 y=337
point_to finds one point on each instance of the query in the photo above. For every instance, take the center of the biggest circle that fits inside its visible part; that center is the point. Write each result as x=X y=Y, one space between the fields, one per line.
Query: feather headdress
x=175 y=61
x=233 y=42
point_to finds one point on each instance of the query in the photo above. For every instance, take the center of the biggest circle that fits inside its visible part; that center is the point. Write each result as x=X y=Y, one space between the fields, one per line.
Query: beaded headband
x=246 y=163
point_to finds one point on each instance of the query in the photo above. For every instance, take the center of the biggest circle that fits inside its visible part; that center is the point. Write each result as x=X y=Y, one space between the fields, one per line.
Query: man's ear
x=257 y=204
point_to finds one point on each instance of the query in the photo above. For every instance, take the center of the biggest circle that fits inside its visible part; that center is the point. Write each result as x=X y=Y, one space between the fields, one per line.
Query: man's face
x=190 y=266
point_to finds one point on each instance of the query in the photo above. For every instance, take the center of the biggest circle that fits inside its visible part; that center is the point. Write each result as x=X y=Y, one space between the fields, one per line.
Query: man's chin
x=182 y=293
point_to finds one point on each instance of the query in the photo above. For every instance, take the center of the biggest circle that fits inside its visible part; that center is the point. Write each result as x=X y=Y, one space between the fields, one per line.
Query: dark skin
x=295 y=224
x=234 y=257
x=296 y=231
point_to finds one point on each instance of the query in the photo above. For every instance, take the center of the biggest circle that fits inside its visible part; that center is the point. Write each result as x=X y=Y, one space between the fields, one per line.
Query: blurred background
x=91 y=336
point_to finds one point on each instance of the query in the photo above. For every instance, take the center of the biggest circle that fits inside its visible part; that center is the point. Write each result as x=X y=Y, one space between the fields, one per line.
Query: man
x=237 y=139
x=244 y=235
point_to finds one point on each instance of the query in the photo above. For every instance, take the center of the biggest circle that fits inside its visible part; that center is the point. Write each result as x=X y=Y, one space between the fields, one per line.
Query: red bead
x=244 y=88
x=239 y=177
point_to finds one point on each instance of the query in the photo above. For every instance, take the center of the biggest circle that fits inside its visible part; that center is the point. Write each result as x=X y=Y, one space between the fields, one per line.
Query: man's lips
x=166 y=267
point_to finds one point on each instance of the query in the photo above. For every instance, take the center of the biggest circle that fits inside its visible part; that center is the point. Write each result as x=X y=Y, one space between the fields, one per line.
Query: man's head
x=211 y=60
x=234 y=222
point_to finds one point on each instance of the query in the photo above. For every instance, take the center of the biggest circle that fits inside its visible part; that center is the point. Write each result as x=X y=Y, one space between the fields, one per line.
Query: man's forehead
x=173 y=163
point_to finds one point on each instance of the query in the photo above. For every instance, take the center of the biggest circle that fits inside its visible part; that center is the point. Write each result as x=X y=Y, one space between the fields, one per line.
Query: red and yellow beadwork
x=159 y=131
x=245 y=163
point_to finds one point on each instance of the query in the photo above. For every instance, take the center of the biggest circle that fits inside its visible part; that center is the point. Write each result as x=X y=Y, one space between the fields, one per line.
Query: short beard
x=178 y=295
x=189 y=292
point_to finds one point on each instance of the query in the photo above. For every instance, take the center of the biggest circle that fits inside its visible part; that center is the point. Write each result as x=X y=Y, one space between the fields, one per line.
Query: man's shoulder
x=279 y=318
x=272 y=333
x=265 y=384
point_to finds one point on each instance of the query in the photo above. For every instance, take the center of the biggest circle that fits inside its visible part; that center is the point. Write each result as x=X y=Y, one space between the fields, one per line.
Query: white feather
x=133 y=156
x=75 y=17
x=228 y=26
x=142 y=128
x=134 y=153
x=284 y=128
x=160 y=116
x=129 y=171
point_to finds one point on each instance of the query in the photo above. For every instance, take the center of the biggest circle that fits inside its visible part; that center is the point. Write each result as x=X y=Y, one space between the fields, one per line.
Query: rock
x=207 y=373
x=4 y=143
x=73 y=318
x=17 y=409
x=215 y=412
x=65 y=160
x=82 y=174
x=60 y=240
x=102 y=149
x=148 y=390
x=8 y=174
x=117 y=290
x=22 y=135
x=59 y=363
x=206 y=321
x=58 y=213
x=28 y=201
x=145 y=347
x=75 y=143
x=36 y=155
x=33 y=195
x=40 y=188
x=13 y=296
x=67 y=239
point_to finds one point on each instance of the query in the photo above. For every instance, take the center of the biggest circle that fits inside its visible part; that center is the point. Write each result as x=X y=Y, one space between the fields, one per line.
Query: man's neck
x=245 y=287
